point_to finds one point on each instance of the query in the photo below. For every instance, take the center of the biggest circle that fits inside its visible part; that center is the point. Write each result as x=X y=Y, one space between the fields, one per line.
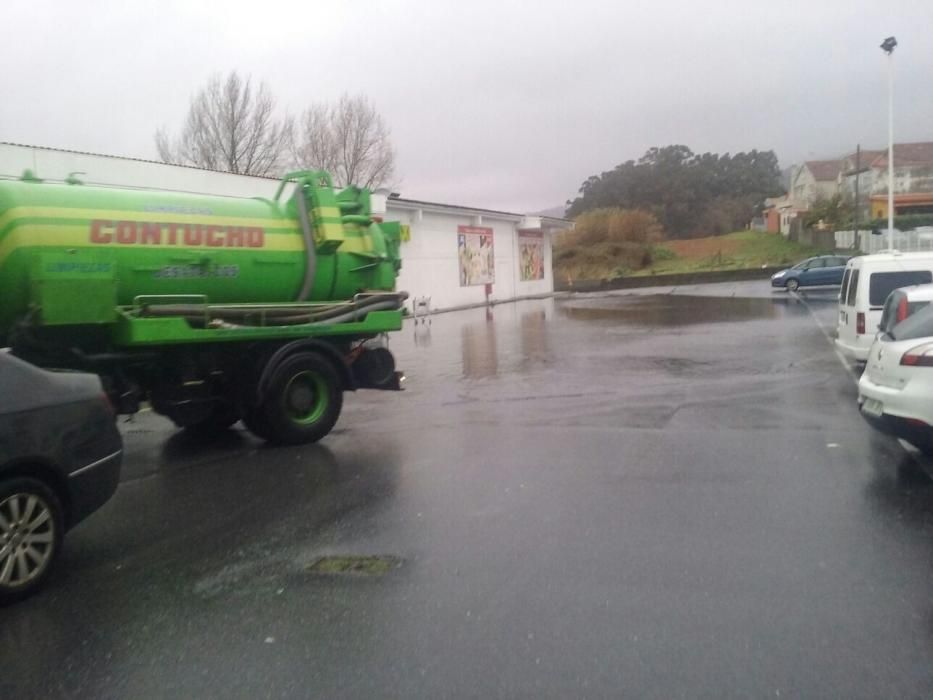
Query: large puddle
x=671 y=310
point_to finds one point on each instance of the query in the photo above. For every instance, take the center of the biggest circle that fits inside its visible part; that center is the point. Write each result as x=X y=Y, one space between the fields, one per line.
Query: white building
x=815 y=179
x=432 y=264
x=455 y=255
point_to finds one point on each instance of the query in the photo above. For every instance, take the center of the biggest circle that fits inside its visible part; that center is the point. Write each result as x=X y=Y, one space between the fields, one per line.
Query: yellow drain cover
x=357 y=565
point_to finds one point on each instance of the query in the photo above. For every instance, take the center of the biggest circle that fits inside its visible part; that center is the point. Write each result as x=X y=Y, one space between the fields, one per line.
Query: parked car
x=896 y=387
x=866 y=284
x=823 y=270
x=902 y=303
x=60 y=455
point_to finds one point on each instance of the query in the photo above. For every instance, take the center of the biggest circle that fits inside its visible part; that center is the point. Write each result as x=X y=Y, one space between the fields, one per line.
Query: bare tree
x=230 y=127
x=348 y=139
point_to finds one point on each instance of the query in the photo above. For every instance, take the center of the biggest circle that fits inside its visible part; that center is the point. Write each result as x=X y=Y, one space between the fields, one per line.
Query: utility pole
x=888 y=47
x=858 y=170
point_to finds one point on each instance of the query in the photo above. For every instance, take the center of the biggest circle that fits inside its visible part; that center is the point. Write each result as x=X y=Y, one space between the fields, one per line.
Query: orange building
x=772 y=220
x=906 y=203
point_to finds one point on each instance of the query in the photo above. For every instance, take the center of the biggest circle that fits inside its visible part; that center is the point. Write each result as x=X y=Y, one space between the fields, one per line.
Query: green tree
x=689 y=194
x=833 y=211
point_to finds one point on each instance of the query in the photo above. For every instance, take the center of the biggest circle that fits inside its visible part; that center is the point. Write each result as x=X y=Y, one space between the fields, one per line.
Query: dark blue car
x=60 y=454
x=823 y=270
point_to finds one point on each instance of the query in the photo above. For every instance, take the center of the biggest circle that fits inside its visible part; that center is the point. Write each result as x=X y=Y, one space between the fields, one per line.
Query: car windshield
x=801 y=265
x=888 y=313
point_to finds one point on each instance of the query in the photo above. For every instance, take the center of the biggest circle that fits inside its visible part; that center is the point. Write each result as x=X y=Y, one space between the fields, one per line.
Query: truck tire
x=255 y=421
x=29 y=543
x=303 y=401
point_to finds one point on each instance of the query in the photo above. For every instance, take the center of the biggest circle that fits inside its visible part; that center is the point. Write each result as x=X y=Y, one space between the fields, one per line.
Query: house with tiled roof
x=913 y=180
x=859 y=177
x=815 y=179
x=907 y=155
x=860 y=161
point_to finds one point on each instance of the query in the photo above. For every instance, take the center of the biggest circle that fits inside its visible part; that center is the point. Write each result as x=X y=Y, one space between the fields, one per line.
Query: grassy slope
x=734 y=251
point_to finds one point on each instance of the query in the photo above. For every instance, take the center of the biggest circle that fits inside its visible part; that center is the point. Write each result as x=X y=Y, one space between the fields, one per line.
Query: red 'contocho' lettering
x=150 y=234
x=99 y=232
x=141 y=233
x=126 y=232
x=235 y=237
x=255 y=237
x=213 y=236
x=192 y=235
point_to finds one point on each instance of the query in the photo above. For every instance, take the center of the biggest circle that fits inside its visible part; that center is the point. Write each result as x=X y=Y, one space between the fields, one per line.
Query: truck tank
x=71 y=254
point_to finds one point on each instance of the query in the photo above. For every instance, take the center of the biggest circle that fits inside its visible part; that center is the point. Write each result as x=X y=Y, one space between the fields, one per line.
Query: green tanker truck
x=212 y=309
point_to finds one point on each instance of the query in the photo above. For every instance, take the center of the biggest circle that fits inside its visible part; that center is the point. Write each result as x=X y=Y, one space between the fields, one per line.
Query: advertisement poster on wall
x=531 y=255
x=474 y=249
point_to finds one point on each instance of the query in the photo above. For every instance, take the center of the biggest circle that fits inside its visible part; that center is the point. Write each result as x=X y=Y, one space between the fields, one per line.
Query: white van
x=866 y=284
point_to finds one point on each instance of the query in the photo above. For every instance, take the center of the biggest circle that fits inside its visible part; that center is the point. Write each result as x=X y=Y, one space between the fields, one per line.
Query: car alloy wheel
x=30 y=534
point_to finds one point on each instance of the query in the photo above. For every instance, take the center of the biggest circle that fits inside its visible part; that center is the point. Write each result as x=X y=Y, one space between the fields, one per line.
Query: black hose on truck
x=277 y=315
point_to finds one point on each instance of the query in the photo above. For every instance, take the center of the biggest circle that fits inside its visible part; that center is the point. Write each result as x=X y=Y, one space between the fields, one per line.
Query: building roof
x=780 y=201
x=130 y=158
x=920 y=153
x=393 y=199
x=865 y=159
x=419 y=204
x=824 y=169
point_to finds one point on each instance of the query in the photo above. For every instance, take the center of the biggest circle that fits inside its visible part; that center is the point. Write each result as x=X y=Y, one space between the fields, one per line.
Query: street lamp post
x=888 y=47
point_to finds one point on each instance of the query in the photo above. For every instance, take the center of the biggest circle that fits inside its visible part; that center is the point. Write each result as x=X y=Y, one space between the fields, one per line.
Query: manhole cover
x=355 y=565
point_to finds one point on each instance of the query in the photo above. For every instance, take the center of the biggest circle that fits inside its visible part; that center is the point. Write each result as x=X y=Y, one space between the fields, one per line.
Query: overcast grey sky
x=497 y=104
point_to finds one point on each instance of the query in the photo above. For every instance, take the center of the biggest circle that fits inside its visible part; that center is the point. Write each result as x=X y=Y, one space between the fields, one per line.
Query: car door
x=803 y=272
x=813 y=273
x=834 y=270
x=845 y=329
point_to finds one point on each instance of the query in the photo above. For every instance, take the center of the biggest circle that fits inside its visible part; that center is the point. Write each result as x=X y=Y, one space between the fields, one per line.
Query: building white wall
x=805 y=189
x=430 y=264
x=907 y=179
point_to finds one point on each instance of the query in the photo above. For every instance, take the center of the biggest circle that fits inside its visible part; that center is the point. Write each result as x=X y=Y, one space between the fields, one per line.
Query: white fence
x=905 y=241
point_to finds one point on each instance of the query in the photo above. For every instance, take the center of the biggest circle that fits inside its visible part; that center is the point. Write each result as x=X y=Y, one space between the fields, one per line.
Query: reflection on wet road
x=655 y=311
x=651 y=494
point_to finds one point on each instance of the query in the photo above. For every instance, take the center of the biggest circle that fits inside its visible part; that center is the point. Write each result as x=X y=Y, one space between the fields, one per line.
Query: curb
x=667 y=280
x=493 y=302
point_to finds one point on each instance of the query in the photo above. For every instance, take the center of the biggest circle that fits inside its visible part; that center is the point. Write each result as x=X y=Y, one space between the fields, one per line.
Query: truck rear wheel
x=255 y=422
x=303 y=402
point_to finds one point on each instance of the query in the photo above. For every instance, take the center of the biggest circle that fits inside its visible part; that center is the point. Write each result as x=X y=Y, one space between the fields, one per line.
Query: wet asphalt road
x=642 y=495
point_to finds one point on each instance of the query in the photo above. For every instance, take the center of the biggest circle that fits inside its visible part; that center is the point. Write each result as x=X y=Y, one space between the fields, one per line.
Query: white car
x=866 y=284
x=902 y=303
x=896 y=389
